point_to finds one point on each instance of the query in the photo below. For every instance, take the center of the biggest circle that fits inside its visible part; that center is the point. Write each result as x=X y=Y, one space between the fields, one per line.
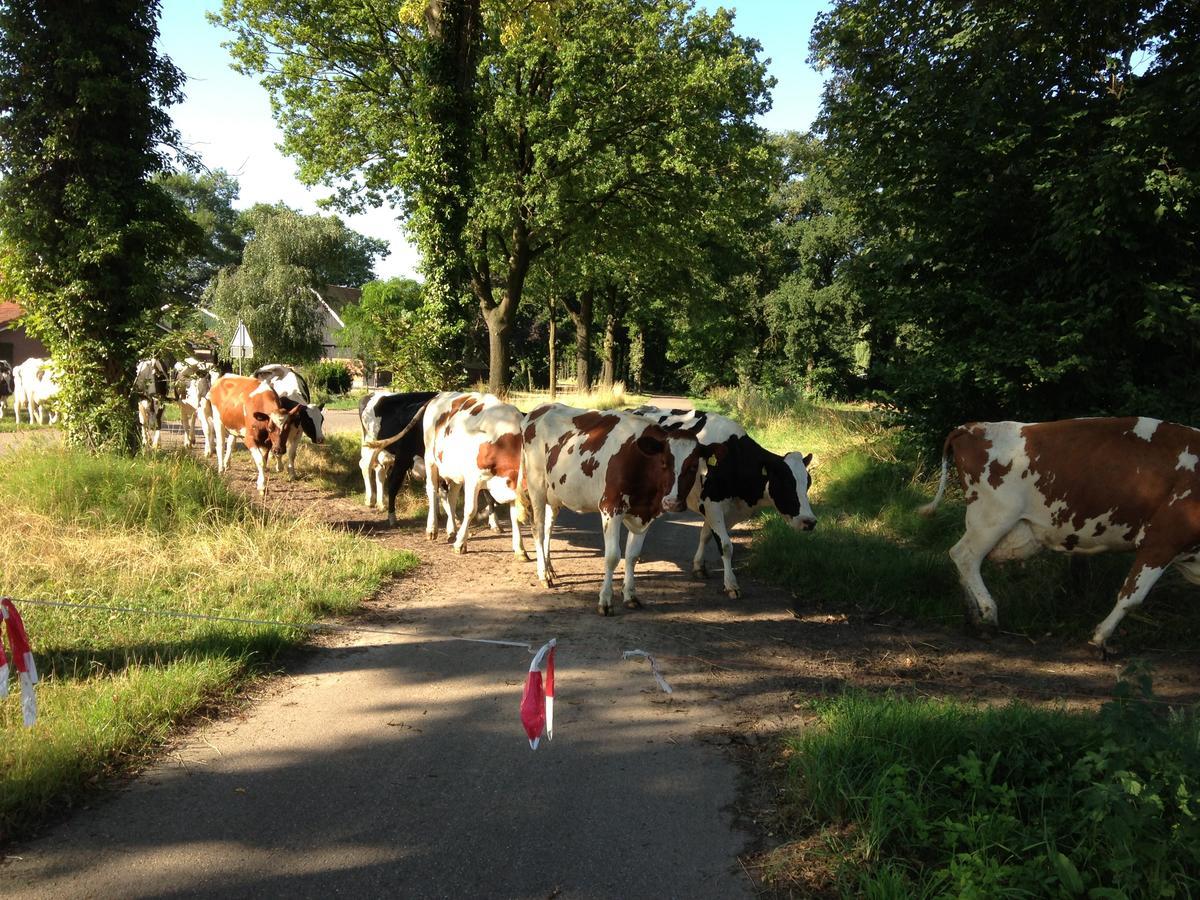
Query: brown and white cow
x=616 y=463
x=472 y=442
x=1081 y=486
x=249 y=408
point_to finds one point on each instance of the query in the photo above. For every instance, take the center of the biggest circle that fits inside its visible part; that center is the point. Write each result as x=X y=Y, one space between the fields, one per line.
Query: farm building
x=15 y=345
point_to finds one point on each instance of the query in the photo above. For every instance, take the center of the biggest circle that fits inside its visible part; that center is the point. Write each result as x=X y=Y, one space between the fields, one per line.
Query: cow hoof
x=460 y=548
x=495 y=529
x=430 y=536
x=521 y=555
x=700 y=574
x=391 y=521
x=604 y=610
x=633 y=603
x=733 y=593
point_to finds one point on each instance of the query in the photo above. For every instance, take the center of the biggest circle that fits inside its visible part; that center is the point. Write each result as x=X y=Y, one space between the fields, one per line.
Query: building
x=15 y=345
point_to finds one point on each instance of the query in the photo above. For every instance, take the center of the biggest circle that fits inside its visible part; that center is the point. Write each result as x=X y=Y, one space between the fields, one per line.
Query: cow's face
x=788 y=485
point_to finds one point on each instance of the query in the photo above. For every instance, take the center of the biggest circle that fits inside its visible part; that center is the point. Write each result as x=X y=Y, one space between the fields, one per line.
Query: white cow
x=193 y=378
x=36 y=384
x=472 y=442
x=150 y=387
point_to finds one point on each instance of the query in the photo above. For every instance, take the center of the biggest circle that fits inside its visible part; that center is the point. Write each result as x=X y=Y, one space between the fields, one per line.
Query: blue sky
x=226 y=118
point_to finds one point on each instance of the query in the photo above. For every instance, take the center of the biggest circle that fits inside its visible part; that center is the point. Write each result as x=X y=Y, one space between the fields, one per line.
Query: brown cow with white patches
x=472 y=442
x=1081 y=486
x=619 y=464
x=249 y=408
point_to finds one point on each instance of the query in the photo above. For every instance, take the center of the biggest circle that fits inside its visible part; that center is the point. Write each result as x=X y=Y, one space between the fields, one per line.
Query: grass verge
x=160 y=533
x=908 y=798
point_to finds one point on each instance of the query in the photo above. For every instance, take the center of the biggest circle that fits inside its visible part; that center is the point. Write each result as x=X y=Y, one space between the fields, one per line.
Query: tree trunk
x=582 y=318
x=499 y=323
x=553 y=353
x=608 y=370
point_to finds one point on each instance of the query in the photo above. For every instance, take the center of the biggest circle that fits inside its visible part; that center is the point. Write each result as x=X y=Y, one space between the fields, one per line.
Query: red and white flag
x=22 y=656
x=537 y=700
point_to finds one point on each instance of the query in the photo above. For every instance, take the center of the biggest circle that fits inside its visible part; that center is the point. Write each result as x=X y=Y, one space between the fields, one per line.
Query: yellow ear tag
x=712 y=460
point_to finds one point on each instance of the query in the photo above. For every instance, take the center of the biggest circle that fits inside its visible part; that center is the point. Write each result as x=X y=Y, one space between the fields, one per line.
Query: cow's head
x=788 y=482
x=673 y=465
x=312 y=420
x=7 y=385
x=500 y=459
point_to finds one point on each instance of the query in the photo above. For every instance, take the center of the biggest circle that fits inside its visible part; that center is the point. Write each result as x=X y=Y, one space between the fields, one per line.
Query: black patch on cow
x=6 y=379
x=287 y=404
x=394 y=412
x=1071 y=542
x=751 y=473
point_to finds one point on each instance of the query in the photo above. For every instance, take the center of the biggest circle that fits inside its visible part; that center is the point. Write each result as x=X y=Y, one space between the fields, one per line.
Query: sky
x=226 y=117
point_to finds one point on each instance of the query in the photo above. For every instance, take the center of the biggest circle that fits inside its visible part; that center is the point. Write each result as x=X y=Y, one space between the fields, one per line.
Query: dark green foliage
x=87 y=234
x=1024 y=176
x=207 y=198
x=1016 y=801
x=329 y=378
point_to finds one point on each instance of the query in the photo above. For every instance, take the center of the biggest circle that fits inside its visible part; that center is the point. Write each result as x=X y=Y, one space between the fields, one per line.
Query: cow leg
x=543 y=523
x=1150 y=561
x=470 y=501
x=517 y=541
x=187 y=423
x=431 y=497
x=612 y=553
x=449 y=505
x=365 y=458
x=260 y=463
x=219 y=440
x=293 y=447
x=968 y=555
x=699 y=569
x=158 y=417
x=395 y=473
x=206 y=428
x=633 y=549
x=714 y=520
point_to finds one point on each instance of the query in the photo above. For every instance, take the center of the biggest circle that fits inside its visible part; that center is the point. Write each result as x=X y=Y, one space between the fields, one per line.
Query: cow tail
x=387 y=442
x=929 y=508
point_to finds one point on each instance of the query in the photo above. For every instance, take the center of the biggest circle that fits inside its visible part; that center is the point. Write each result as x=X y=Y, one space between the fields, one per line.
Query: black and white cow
x=150 y=388
x=193 y=379
x=7 y=385
x=393 y=443
x=293 y=392
x=747 y=478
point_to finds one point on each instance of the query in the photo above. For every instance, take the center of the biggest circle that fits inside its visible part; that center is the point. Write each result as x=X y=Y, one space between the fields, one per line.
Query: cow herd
x=630 y=466
x=1076 y=485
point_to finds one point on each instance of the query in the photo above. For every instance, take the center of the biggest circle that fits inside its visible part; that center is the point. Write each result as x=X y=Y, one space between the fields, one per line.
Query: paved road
x=389 y=765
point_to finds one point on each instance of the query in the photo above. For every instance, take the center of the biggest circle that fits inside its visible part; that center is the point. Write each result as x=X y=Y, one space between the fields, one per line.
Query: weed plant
x=155 y=532
x=924 y=798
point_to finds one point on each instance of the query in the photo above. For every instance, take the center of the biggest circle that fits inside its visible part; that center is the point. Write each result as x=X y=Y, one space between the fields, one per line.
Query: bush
x=329 y=378
x=919 y=797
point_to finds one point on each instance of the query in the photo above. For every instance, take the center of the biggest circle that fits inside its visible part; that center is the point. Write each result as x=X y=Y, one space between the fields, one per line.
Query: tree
x=207 y=198
x=289 y=259
x=401 y=326
x=1025 y=176
x=586 y=114
x=83 y=127
x=815 y=317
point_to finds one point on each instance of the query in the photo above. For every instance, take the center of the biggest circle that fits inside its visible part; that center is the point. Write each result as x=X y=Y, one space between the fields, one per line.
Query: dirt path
x=387 y=764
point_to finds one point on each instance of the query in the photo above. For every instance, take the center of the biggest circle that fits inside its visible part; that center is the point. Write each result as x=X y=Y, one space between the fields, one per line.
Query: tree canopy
x=1025 y=180
x=588 y=119
x=289 y=258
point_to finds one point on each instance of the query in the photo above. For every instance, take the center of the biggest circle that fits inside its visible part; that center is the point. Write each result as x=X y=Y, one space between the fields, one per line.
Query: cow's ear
x=651 y=446
x=807 y=460
x=261 y=416
x=716 y=453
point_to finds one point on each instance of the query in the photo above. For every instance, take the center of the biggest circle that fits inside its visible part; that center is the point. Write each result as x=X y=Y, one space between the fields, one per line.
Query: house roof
x=9 y=312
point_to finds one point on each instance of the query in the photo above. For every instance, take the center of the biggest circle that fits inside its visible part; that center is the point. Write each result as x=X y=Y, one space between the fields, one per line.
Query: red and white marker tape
x=537 y=701
x=22 y=658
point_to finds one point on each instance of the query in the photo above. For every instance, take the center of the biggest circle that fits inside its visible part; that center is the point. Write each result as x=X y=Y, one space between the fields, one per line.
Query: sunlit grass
x=157 y=533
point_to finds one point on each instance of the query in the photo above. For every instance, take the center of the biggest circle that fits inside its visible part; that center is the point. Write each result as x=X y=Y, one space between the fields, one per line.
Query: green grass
x=872 y=551
x=161 y=533
x=901 y=797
